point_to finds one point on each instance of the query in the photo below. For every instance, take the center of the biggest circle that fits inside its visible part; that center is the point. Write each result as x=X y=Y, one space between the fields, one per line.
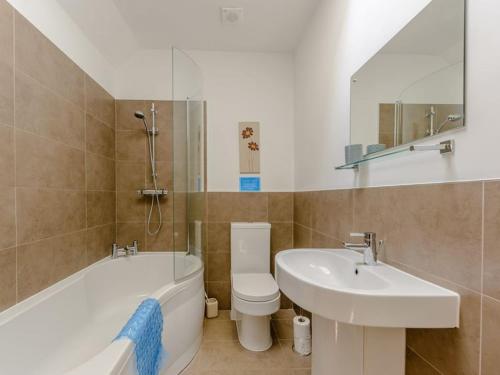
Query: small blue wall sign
x=249 y=183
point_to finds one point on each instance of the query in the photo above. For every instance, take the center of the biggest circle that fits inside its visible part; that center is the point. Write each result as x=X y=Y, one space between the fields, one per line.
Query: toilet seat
x=255 y=287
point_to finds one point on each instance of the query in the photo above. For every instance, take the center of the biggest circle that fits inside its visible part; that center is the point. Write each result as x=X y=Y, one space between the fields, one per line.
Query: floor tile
x=222 y=354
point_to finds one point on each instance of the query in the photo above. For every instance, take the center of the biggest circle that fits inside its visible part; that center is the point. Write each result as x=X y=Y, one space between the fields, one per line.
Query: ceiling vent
x=232 y=16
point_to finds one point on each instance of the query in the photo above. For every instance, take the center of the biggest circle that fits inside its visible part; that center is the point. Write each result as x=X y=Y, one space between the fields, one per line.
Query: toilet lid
x=255 y=287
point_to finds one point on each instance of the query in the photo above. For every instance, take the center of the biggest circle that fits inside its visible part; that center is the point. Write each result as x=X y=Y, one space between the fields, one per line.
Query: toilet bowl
x=254 y=297
x=254 y=292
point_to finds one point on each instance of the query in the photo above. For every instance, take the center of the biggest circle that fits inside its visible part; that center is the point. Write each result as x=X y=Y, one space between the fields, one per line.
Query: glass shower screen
x=189 y=164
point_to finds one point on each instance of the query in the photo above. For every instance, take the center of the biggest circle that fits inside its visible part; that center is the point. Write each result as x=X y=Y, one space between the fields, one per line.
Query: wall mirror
x=413 y=88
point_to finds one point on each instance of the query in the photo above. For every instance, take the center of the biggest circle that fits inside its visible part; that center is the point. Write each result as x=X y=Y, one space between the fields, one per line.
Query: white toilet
x=254 y=292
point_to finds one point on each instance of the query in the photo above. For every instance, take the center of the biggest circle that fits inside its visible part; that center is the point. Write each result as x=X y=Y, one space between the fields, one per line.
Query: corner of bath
x=83 y=313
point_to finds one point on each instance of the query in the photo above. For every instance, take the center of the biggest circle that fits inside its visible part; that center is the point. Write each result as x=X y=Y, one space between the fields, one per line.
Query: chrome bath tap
x=117 y=252
x=368 y=248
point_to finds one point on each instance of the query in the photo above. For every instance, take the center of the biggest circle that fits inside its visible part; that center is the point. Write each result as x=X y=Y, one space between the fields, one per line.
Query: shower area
x=160 y=168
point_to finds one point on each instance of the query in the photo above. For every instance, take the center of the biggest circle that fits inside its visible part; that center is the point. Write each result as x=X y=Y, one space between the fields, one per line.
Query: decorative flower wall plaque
x=249 y=135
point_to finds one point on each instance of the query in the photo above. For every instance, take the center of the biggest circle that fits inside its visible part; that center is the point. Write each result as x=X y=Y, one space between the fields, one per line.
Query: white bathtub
x=69 y=328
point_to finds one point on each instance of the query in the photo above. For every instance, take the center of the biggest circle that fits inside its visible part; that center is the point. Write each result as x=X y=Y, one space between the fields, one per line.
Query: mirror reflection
x=413 y=88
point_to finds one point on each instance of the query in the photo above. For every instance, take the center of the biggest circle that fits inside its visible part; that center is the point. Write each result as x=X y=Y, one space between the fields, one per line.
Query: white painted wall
x=237 y=87
x=147 y=74
x=342 y=37
x=249 y=87
x=50 y=18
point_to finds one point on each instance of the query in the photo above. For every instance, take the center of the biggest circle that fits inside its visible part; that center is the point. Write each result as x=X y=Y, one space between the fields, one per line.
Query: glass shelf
x=443 y=147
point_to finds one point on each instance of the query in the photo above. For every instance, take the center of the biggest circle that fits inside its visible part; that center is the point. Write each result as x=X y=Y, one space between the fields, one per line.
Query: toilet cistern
x=368 y=247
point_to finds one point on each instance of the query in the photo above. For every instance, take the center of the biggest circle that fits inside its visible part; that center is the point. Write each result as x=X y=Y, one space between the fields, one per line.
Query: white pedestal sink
x=360 y=312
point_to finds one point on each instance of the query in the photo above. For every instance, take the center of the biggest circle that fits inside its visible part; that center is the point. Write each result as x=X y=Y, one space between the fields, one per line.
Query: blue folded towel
x=145 y=329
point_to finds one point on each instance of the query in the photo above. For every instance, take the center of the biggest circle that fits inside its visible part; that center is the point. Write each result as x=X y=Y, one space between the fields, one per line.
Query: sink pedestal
x=341 y=349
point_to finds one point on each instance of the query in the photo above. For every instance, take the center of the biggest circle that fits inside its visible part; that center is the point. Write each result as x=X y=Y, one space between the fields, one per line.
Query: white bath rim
x=115 y=357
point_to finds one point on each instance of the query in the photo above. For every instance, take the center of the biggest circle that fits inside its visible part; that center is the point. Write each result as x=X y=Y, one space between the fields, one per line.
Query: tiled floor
x=221 y=353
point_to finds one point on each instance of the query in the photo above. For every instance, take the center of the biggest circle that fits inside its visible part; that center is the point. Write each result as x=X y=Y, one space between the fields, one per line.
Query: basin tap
x=368 y=248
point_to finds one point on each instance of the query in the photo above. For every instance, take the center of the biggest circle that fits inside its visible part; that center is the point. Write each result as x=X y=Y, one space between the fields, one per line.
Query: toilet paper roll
x=302 y=335
x=301 y=327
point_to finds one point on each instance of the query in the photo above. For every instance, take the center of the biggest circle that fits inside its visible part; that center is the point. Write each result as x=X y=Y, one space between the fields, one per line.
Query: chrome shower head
x=139 y=115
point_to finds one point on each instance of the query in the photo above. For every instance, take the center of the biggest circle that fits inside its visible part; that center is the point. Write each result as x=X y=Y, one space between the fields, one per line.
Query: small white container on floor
x=212 y=308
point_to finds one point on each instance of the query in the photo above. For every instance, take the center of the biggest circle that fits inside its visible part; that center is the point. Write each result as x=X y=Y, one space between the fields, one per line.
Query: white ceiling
x=118 y=28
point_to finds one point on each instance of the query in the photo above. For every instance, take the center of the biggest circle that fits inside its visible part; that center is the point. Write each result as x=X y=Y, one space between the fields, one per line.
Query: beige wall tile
x=230 y=207
x=492 y=239
x=41 y=111
x=6 y=64
x=285 y=303
x=131 y=145
x=100 y=138
x=6 y=94
x=45 y=262
x=7 y=166
x=70 y=254
x=321 y=241
x=125 y=110
x=375 y=211
x=45 y=213
x=415 y=365
x=281 y=207
x=100 y=172
x=164 y=172
x=429 y=239
x=167 y=209
x=99 y=241
x=302 y=202
x=332 y=213
x=180 y=236
x=219 y=237
x=130 y=176
x=130 y=208
x=222 y=291
x=7 y=218
x=46 y=164
x=162 y=241
x=427 y=226
x=219 y=267
x=6 y=33
x=101 y=208
x=451 y=351
x=99 y=102
x=302 y=237
x=490 y=337
x=51 y=67
x=7 y=278
x=434 y=228
x=283 y=328
x=281 y=236
x=165 y=125
x=164 y=145
x=35 y=267
x=198 y=206
x=44 y=185
x=126 y=233
x=180 y=203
